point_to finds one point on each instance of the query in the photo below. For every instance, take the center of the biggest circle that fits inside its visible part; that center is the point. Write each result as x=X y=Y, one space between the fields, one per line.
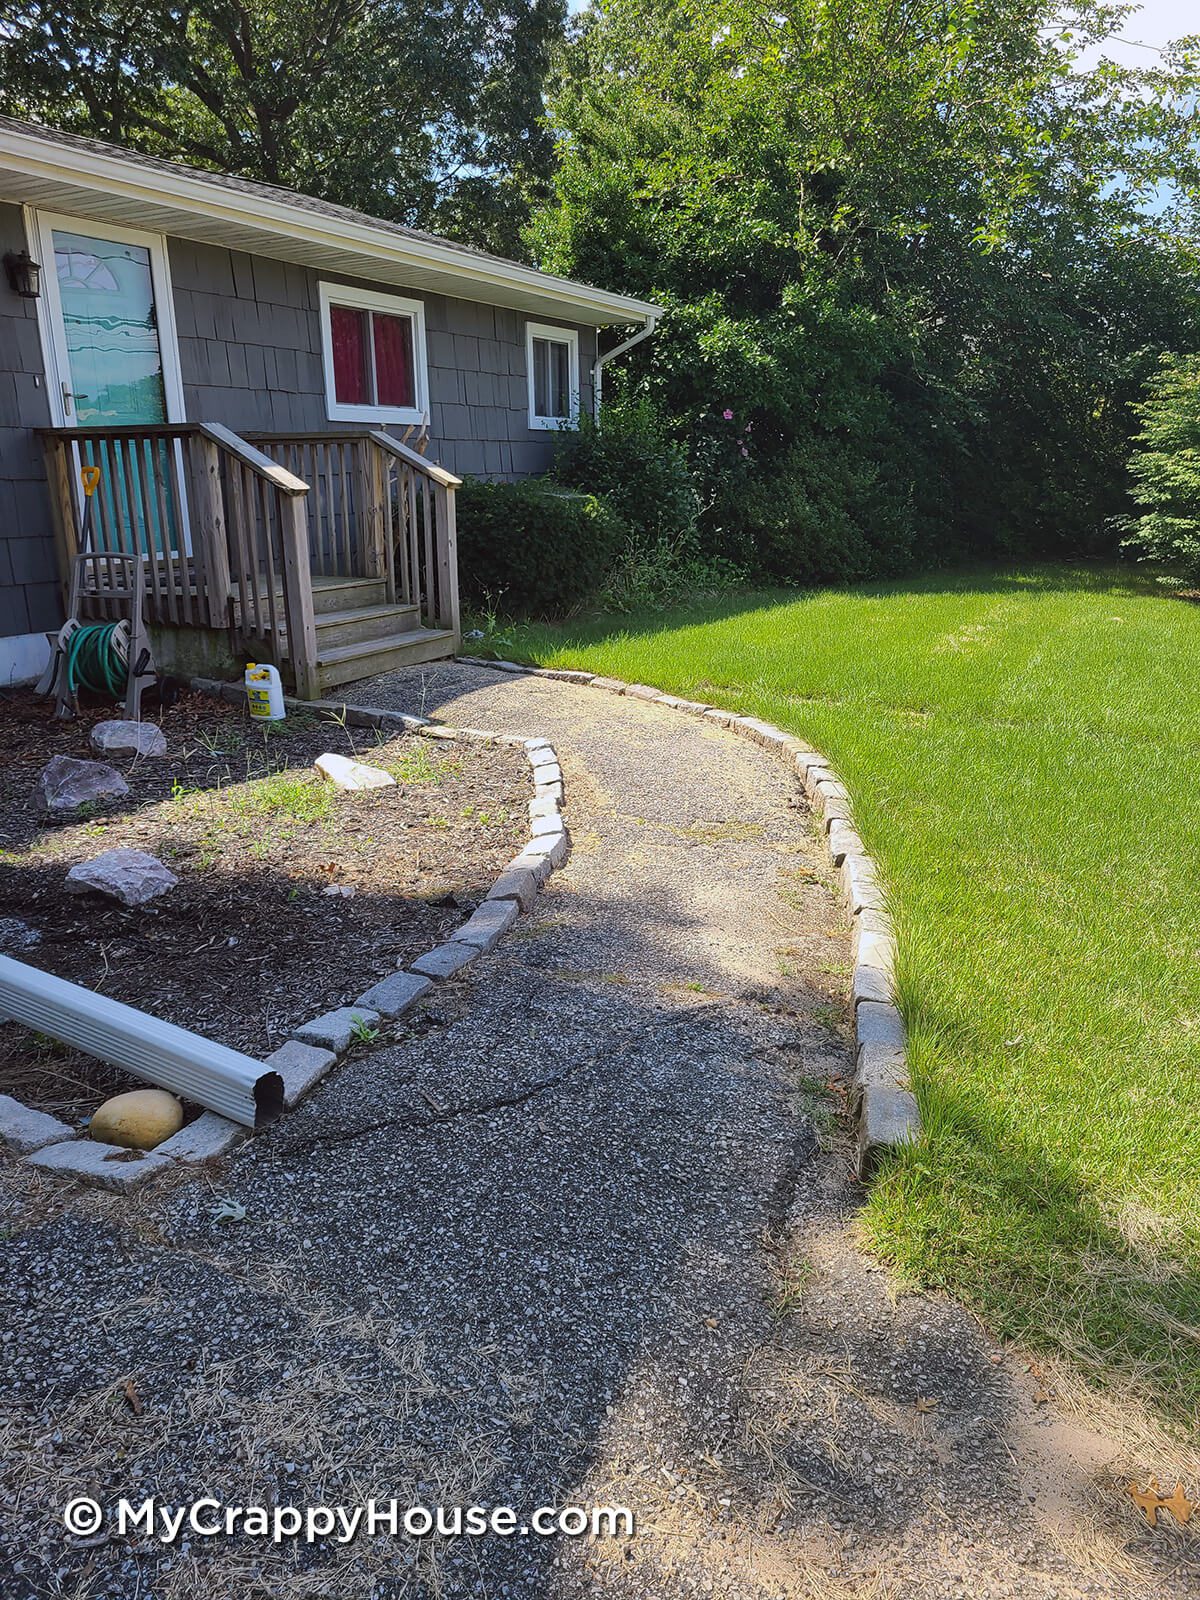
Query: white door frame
x=39 y=227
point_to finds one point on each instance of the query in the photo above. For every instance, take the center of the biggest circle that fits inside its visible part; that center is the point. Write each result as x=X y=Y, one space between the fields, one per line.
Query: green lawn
x=1024 y=756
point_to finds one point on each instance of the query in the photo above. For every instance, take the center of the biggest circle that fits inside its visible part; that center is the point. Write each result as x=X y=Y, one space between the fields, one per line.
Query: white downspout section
x=602 y=361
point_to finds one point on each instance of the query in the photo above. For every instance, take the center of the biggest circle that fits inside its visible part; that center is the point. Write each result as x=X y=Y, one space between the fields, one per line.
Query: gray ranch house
x=280 y=396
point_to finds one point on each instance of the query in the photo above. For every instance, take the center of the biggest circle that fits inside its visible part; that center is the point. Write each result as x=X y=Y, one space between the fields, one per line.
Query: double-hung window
x=552 y=366
x=374 y=353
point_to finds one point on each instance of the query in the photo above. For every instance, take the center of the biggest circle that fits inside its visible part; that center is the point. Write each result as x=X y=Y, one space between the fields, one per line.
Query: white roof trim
x=47 y=161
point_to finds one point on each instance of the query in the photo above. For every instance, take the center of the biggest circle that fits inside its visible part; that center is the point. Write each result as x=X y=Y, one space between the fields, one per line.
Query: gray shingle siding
x=250 y=353
x=28 y=587
x=250 y=348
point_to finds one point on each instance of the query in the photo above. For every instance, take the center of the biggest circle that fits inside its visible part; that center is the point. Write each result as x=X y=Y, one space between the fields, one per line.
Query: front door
x=108 y=300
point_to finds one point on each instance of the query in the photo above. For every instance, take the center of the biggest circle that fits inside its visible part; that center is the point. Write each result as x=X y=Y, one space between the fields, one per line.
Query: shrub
x=627 y=459
x=1165 y=467
x=532 y=549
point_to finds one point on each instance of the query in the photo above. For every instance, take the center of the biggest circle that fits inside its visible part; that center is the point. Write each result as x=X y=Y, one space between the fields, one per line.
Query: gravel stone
x=393 y=995
x=302 y=1064
x=880 y=1024
x=520 y=882
x=489 y=922
x=446 y=960
x=334 y=1030
x=206 y=1138
x=23 y=1129
x=17 y=935
x=106 y=1165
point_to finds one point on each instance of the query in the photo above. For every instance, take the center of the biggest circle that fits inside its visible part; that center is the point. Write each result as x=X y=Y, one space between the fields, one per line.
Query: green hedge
x=531 y=549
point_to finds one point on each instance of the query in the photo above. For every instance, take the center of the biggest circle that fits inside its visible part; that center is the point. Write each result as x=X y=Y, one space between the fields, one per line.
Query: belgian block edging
x=882 y=1099
x=316 y=1045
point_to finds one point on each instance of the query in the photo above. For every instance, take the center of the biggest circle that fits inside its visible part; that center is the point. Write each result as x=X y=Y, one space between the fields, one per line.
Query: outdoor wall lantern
x=23 y=273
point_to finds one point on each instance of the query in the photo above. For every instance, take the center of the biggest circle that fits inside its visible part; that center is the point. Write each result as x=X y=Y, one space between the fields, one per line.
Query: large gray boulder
x=128 y=739
x=66 y=784
x=130 y=876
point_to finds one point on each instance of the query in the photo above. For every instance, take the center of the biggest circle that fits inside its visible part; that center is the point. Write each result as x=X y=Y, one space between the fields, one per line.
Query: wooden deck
x=331 y=554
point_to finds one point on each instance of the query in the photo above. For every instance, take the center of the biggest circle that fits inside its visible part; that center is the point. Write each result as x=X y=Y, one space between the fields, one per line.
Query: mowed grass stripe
x=1023 y=749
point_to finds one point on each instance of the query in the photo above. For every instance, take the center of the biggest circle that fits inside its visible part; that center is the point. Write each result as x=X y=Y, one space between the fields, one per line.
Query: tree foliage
x=1165 y=467
x=429 y=115
x=916 y=267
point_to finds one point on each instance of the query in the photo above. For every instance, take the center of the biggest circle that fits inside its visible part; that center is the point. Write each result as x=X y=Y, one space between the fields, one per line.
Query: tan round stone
x=138 y=1120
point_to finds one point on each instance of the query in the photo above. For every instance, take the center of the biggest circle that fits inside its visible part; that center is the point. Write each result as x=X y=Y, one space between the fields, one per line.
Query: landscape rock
x=349 y=774
x=128 y=739
x=22 y=1129
x=138 y=1120
x=130 y=876
x=66 y=784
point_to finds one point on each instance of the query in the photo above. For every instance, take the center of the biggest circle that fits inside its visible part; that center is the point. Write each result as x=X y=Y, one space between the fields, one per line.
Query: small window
x=374 y=348
x=552 y=363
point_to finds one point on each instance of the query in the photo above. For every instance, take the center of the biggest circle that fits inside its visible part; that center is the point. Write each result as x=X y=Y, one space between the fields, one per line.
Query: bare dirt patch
x=250 y=943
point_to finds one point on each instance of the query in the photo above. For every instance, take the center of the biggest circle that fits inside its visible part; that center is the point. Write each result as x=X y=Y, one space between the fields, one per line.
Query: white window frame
x=41 y=226
x=569 y=337
x=337 y=294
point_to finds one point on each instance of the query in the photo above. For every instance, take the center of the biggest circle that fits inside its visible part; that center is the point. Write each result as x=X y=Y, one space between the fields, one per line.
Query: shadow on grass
x=531 y=640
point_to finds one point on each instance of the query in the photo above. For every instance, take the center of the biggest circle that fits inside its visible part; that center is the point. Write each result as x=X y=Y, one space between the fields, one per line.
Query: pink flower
x=747 y=428
x=727 y=414
x=745 y=452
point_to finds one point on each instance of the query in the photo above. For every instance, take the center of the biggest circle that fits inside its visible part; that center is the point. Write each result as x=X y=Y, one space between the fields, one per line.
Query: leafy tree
x=1165 y=467
x=429 y=115
x=912 y=263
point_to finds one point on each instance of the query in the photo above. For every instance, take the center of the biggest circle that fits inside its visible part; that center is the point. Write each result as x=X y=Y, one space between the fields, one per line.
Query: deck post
x=62 y=506
x=447 y=550
x=297 y=593
x=208 y=526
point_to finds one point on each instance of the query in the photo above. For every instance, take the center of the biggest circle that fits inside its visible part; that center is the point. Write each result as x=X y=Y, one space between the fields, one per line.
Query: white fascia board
x=45 y=159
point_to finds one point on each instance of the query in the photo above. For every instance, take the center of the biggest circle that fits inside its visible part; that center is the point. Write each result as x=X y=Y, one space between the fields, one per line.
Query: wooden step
x=348 y=662
x=368 y=622
x=347 y=594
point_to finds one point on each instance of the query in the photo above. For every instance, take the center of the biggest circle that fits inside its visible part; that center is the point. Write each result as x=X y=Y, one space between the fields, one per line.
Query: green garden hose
x=93 y=661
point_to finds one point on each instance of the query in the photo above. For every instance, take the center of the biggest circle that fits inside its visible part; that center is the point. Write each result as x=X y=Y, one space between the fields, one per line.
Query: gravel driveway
x=583 y=1232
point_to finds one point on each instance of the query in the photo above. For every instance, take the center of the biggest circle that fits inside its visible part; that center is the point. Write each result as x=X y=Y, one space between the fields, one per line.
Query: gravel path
x=582 y=1232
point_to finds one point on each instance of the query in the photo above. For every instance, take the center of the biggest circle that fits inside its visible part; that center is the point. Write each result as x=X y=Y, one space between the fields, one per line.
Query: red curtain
x=393 y=360
x=351 y=379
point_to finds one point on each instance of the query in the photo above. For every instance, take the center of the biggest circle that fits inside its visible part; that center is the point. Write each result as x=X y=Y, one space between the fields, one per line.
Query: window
x=374 y=349
x=552 y=365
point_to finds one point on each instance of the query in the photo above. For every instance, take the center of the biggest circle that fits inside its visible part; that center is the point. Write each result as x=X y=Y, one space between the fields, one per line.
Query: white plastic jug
x=264 y=693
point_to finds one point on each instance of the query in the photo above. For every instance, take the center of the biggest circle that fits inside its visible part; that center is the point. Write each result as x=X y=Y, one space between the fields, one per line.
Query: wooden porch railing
x=377 y=509
x=230 y=533
x=220 y=527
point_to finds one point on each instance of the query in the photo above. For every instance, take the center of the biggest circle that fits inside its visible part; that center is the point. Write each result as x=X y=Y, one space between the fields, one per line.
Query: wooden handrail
x=437 y=474
x=282 y=479
x=220 y=435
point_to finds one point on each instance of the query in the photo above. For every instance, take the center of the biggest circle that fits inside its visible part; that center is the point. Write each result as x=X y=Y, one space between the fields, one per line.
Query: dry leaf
x=132 y=1398
x=710 y=1322
x=1041 y=1396
x=1147 y=1501
x=925 y=1405
x=1179 y=1505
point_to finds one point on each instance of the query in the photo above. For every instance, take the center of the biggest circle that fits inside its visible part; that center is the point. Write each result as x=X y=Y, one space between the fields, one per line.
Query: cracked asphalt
x=580 y=1230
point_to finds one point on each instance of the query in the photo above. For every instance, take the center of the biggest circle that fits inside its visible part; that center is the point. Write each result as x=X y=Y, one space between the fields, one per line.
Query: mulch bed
x=249 y=944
